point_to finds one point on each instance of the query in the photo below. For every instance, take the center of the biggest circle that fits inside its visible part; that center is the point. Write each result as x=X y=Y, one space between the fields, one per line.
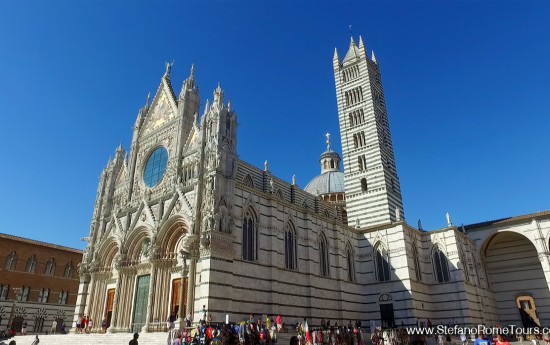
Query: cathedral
x=182 y=226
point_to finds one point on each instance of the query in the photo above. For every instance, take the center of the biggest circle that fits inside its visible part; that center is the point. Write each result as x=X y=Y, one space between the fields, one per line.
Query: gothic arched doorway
x=513 y=269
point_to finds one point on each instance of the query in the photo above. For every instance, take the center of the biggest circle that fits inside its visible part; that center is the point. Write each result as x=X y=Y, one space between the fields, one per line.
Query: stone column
x=152 y=278
x=184 y=274
x=82 y=297
x=191 y=287
x=114 y=318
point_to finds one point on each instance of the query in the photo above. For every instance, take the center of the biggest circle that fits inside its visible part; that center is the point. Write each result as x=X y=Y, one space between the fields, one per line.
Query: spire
x=190 y=82
x=353 y=52
x=119 y=151
x=148 y=100
x=207 y=106
x=218 y=95
x=373 y=57
x=336 y=58
x=361 y=44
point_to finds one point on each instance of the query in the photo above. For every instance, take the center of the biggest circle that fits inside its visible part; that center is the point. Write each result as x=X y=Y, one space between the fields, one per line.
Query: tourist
x=481 y=340
x=90 y=325
x=24 y=328
x=279 y=322
x=78 y=324
x=36 y=341
x=135 y=340
x=103 y=326
x=463 y=339
x=177 y=339
x=501 y=341
x=294 y=340
x=54 y=327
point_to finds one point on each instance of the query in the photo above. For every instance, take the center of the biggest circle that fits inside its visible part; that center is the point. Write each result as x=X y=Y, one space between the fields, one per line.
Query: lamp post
x=18 y=292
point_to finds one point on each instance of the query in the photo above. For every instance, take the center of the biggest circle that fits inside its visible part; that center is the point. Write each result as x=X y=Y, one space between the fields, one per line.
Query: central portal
x=140 y=303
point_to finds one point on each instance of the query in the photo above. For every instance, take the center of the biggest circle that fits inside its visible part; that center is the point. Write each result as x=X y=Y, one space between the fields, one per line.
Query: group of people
x=251 y=332
x=350 y=334
x=84 y=324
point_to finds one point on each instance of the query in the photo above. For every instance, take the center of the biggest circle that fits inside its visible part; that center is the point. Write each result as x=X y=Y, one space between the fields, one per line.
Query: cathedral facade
x=182 y=225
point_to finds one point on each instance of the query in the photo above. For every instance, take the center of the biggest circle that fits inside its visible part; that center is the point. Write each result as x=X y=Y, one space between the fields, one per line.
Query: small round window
x=155 y=167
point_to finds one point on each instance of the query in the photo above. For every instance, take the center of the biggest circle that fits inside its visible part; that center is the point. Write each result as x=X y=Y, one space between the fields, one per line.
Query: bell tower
x=373 y=194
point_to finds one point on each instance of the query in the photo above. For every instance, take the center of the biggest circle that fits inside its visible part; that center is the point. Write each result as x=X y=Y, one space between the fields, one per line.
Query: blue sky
x=466 y=86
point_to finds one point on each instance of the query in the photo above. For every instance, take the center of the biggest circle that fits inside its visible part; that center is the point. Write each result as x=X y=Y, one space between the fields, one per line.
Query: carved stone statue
x=397 y=214
x=449 y=223
x=217 y=221
x=145 y=248
x=205 y=240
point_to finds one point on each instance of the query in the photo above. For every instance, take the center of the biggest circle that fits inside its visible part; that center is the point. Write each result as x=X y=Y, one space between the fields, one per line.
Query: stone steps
x=93 y=339
x=111 y=339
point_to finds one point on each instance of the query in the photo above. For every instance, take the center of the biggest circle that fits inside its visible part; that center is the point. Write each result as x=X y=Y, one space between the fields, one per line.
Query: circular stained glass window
x=155 y=167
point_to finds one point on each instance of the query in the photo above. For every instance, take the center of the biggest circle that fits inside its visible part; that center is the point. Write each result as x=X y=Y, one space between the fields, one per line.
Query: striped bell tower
x=373 y=195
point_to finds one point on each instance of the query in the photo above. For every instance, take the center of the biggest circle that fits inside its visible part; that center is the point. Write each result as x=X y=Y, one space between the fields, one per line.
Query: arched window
x=363 y=184
x=250 y=238
x=63 y=295
x=417 y=269
x=350 y=259
x=381 y=263
x=464 y=263
x=324 y=264
x=50 y=267
x=248 y=181
x=360 y=162
x=69 y=268
x=441 y=266
x=11 y=261
x=24 y=296
x=43 y=295
x=291 y=258
x=31 y=264
x=4 y=292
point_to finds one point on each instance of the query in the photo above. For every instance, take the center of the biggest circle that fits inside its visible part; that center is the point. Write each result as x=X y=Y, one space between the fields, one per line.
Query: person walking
x=24 y=328
x=135 y=340
x=54 y=327
x=279 y=322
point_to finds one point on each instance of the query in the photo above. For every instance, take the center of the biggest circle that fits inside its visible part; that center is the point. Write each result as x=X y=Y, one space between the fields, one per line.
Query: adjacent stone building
x=38 y=283
x=181 y=223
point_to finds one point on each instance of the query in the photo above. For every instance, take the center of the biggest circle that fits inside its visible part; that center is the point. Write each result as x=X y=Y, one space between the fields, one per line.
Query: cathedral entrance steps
x=93 y=339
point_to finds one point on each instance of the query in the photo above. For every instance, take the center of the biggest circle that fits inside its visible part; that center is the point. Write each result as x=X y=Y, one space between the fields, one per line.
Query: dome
x=329 y=182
